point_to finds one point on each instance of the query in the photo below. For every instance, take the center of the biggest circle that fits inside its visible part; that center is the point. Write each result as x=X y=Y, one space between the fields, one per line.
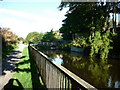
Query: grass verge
x=26 y=74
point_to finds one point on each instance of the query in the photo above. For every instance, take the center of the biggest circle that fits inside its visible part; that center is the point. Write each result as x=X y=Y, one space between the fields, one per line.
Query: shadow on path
x=11 y=62
x=10 y=85
x=24 y=67
x=36 y=83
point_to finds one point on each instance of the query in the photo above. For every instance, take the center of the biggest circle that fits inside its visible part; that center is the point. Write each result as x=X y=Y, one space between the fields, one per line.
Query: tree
x=8 y=37
x=57 y=34
x=34 y=37
x=52 y=36
x=92 y=18
x=9 y=41
x=78 y=18
x=49 y=37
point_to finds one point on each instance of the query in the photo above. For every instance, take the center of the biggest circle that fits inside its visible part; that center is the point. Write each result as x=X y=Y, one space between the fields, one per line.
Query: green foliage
x=8 y=37
x=94 y=20
x=9 y=41
x=37 y=39
x=100 y=44
x=57 y=34
x=80 y=42
x=49 y=37
x=34 y=37
x=81 y=17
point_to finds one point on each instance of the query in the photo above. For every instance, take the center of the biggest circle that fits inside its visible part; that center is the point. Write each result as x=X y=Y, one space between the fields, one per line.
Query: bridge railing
x=55 y=75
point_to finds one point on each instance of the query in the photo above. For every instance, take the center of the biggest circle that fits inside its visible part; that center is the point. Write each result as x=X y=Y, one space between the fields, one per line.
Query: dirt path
x=8 y=65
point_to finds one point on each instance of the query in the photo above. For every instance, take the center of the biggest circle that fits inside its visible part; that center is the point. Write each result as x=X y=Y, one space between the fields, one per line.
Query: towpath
x=8 y=65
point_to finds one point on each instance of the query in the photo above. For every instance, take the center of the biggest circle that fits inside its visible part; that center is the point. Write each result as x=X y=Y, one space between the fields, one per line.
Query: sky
x=25 y=16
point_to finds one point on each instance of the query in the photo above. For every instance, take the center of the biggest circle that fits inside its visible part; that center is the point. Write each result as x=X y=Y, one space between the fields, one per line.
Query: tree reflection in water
x=99 y=73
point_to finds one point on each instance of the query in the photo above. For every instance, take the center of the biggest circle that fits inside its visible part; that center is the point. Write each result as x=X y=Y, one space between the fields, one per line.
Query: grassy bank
x=26 y=75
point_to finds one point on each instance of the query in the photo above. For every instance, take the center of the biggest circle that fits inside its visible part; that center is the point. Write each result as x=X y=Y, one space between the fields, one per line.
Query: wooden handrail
x=55 y=75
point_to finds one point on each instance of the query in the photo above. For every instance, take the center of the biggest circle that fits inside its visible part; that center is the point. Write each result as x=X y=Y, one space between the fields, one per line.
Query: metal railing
x=55 y=75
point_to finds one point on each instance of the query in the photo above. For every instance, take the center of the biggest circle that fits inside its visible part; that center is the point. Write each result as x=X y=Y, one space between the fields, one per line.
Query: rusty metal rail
x=55 y=75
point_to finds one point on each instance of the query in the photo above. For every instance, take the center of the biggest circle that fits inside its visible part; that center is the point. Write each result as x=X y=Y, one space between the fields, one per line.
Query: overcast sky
x=27 y=16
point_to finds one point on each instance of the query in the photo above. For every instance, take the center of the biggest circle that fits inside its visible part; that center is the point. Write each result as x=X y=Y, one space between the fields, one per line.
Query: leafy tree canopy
x=92 y=18
x=51 y=36
x=83 y=17
x=8 y=37
x=34 y=37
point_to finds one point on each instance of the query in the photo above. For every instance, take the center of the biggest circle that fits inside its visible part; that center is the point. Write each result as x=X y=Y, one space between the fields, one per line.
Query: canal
x=99 y=73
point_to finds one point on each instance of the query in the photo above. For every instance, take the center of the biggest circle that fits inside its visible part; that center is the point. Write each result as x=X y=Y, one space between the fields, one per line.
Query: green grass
x=26 y=73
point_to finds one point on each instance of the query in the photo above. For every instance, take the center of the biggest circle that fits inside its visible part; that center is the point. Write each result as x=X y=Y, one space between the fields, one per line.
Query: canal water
x=99 y=73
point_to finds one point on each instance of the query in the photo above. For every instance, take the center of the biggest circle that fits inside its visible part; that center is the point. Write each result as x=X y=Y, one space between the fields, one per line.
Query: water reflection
x=58 y=59
x=109 y=82
x=99 y=73
x=117 y=84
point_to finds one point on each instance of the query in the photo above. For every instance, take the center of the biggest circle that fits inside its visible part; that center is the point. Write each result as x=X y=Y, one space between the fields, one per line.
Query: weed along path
x=8 y=65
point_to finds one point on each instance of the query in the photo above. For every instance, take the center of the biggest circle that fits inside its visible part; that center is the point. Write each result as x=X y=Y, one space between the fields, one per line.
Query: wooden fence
x=55 y=75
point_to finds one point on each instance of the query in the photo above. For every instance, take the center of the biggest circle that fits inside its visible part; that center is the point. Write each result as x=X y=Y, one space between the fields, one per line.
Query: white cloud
x=19 y=27
x=21 y=14
x=22 y=23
